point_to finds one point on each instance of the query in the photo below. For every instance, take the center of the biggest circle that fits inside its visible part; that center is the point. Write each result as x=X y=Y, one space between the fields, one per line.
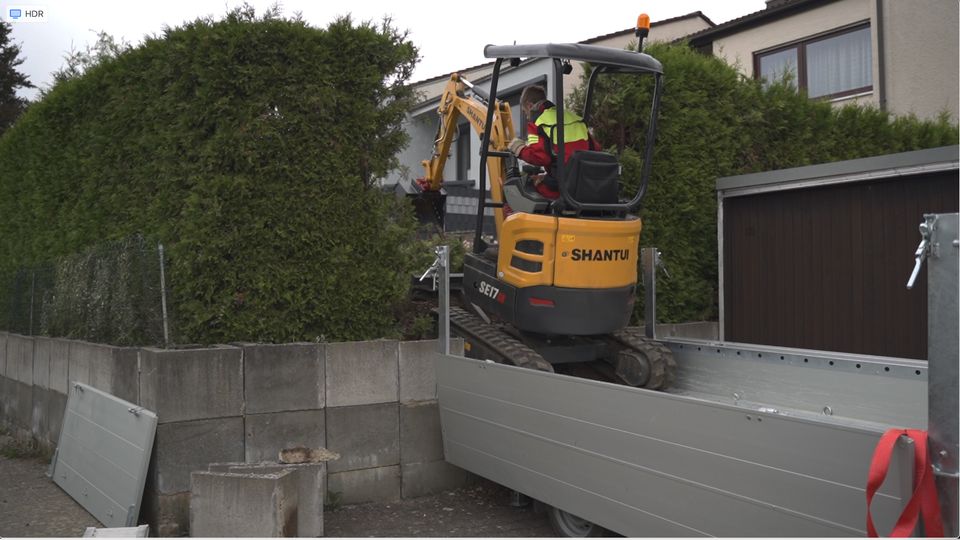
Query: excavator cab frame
x=604 y=61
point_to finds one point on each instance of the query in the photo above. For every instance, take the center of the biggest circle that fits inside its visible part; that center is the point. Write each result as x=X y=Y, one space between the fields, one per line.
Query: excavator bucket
x=429 y=207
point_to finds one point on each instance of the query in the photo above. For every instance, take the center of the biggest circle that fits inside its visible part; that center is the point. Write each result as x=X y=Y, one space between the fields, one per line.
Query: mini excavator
x=556 y=290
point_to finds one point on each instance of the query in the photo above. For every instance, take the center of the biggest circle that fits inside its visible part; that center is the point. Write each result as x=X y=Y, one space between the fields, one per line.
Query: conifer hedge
x=714 y=123
x=247 y=145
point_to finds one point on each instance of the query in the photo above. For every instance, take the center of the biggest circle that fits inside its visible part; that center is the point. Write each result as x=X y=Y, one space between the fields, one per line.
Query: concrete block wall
x=232 y=504
x=374 y=403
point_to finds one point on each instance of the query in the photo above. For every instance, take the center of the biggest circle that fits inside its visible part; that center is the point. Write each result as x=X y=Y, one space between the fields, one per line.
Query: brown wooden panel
x=826 y=268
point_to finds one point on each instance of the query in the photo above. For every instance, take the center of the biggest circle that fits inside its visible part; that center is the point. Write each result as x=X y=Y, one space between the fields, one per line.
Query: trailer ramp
x=743 y=448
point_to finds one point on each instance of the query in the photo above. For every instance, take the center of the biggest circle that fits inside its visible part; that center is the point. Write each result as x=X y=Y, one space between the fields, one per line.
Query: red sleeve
x=536 y=153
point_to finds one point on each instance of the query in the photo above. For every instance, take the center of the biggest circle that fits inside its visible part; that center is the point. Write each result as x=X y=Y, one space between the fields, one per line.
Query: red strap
x=924 y=499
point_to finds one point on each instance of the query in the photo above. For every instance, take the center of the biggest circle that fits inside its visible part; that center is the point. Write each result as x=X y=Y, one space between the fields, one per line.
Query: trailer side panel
x=645 y=463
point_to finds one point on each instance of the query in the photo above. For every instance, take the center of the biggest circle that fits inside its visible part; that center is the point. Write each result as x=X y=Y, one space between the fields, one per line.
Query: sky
x=450 y=35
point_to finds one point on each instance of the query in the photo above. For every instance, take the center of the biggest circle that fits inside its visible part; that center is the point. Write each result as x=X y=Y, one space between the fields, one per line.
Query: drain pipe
x=881 y=71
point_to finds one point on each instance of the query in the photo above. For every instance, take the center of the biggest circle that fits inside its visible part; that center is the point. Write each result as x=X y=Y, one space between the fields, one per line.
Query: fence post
x=163 y=297
x=33 y=283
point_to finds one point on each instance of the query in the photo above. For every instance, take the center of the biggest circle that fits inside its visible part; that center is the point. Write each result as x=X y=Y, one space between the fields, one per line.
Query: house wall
x=920 y=49
x=737 y=49
x=922 y=56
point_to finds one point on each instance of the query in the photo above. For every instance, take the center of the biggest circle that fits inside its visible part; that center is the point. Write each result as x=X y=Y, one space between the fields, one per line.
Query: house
x=464 y=163
x=899 y=55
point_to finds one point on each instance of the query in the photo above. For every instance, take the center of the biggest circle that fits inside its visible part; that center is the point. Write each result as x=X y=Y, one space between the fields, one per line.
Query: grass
x=23 y=449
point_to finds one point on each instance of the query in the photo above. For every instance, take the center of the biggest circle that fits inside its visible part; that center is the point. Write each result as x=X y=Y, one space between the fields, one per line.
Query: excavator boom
x=457 y=103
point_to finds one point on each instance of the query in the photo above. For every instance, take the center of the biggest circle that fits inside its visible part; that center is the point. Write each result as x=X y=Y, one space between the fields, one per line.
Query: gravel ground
x=32 y=505
x=480 y=511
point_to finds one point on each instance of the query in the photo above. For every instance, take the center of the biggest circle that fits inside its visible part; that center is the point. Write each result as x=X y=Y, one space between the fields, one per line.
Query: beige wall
x=920 y=49
x=922 y=57
x=738 y=49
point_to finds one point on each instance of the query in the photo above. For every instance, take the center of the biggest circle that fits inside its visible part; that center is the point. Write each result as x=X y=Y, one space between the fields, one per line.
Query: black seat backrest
x=592 y=177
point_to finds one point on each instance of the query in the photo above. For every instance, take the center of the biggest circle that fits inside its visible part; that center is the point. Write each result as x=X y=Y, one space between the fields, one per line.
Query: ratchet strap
x=924 y=500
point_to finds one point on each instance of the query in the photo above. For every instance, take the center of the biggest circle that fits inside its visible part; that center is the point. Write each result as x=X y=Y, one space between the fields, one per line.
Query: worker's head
x=532 y=98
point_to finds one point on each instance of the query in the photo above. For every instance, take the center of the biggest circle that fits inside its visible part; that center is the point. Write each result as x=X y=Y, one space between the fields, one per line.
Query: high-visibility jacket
x=543 y=140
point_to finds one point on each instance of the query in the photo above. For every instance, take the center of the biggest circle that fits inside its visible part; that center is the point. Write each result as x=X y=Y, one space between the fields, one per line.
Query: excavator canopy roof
x=616 y=59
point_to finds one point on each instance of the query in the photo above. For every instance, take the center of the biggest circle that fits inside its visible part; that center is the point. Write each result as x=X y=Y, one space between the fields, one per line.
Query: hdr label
x=24 y=14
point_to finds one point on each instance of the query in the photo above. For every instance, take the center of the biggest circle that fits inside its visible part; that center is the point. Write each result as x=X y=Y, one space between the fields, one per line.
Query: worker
x=542 y=138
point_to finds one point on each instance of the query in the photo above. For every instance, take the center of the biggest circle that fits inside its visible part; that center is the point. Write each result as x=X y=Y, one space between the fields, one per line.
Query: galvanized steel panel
x=646 y=463
x=852 y=388
x=103 y=454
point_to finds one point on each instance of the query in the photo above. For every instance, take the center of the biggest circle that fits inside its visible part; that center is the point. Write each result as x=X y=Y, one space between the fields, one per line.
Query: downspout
x=881 y=61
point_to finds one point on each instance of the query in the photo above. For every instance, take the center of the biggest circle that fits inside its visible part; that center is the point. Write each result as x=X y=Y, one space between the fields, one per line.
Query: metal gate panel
x=103 y=454
x=859 y=388
x=647 y=463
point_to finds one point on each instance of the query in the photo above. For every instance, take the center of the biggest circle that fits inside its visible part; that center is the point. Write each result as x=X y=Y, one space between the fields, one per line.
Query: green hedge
x=249 y=147
x=713 y=123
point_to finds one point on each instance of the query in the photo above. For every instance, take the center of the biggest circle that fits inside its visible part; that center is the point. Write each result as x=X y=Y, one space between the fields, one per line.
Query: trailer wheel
x=567 y=525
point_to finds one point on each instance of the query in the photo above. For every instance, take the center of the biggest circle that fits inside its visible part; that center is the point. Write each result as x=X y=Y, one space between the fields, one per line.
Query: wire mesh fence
x=110 y=293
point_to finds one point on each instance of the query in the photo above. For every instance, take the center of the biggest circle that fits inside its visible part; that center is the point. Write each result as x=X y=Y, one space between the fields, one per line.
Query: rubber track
x=510 y=350
x=663 y=367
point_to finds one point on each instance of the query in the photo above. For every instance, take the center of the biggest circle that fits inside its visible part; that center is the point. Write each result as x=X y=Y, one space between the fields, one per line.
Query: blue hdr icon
x=15 y=13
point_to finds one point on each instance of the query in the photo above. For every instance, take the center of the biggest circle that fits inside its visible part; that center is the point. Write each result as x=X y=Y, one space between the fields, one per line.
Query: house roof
x=772 y=12
x=691 y=15
x=942 y=158
x=630 y=31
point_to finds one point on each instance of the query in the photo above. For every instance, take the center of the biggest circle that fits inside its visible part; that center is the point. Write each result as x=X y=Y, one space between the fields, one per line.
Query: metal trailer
x=751 y=440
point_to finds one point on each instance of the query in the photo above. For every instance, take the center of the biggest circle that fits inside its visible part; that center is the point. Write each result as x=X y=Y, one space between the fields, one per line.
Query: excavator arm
x=454 y=104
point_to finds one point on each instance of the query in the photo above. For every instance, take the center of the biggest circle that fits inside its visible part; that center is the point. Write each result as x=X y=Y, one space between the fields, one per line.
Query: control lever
x=434 y=269
x=662 y=264
x=924 y=249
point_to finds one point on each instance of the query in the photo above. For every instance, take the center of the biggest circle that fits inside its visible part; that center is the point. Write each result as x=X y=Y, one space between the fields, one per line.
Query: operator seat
x=523 y=197
x=592 y=177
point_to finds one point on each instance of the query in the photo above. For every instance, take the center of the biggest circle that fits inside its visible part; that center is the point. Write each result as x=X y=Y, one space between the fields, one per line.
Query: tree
x=11 y=106
x=78 y=62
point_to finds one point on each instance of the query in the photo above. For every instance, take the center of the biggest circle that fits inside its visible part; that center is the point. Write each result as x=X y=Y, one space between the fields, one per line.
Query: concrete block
x=170 y=381
x=421 y=439
x=247 y=505
x=183 y=447
x=362 y=373
x=365 y=436
x=283 y=377
x=418 y=381
x=40 y=413
x=311 y=486
x=381 y=484
x=23 y=416
x=167 y=515
x=419 y=479
x=20 y=358
x=59 y=350
x=7 y=397
x=3 y=354
x=41 y=361
x=56 y=408
x=105 y=367
x=267 y=434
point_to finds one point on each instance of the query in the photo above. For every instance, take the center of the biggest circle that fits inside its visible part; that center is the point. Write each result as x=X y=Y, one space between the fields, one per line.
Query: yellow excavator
x=556 y=289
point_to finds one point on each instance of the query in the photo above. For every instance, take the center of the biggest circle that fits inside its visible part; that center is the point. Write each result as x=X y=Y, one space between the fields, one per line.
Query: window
x=463 y=151
x=833 y=65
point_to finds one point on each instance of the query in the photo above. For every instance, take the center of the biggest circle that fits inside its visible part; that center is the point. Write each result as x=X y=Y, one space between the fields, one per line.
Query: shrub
x=714 y=123
x=248 y=146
